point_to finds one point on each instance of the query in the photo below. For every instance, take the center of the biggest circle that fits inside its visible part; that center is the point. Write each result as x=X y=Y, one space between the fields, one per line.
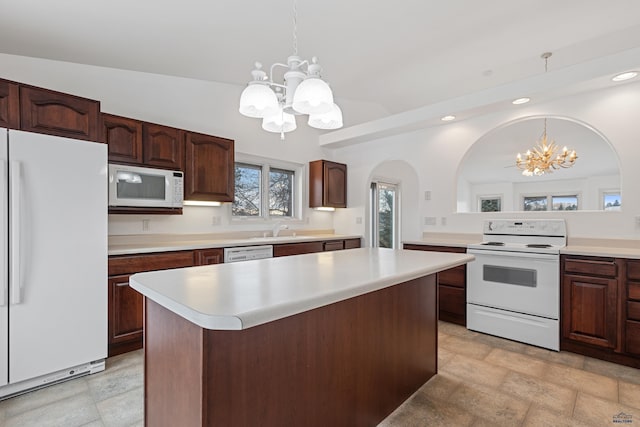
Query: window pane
x=537 y=203
x=564 y=203
x=248 y=192
x=491 y=204
x=386 y=211
x=281 y=192
x=612 y=201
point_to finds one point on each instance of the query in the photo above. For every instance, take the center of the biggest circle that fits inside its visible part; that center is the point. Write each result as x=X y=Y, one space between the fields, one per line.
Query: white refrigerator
x=53 y=259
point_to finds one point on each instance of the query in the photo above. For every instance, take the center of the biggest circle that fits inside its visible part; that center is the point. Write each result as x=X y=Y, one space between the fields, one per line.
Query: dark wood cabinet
x=123 y=137
x=632 y=323
x=335 y=245
x=125 y=304
x=60 y=114
x=452 y=286
x=9 y=104
x=209 y=256
x=352 y=243
x=125 y=316
x=327 y=184
x=162 y=146
x=209 y=169
x=287 y=249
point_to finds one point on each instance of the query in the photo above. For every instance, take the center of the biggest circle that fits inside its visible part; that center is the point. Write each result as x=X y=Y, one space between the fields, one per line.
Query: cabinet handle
x=120 y=285
x=14 y=256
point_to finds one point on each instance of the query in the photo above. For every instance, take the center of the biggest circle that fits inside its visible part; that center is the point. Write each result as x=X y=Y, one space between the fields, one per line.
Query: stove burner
x=538 y=245
x=493 y=243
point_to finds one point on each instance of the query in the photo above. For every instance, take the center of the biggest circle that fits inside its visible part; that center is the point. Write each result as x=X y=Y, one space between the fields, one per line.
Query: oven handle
x=551 y=257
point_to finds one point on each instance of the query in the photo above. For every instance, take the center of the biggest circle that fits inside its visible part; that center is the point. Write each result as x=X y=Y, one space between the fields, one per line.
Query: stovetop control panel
x=547 y=227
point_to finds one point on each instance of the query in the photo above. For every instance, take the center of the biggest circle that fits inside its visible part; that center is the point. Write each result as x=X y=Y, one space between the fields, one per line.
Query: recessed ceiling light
x=448 y=118
x=625 y=76
x=520 y=101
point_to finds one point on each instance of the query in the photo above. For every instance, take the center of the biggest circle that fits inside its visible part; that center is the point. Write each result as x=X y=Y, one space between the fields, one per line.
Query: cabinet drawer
x=433 y=248
x=633 y=310
x=337 y=245
x=149 y=262
x=352 y=243
x=596 y=267
x=633 y=269
x=453 y=277
x=633 y=337
x=634 y=291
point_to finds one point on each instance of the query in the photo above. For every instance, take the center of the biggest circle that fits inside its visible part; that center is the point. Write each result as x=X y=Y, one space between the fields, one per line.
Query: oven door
x=522 y=282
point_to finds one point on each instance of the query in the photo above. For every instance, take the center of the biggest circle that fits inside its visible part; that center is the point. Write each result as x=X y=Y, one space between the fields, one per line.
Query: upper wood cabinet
x=327 y=184
x=209 y=169
x=162 y=146
x=9 y=104
x=123 y=137
x=61 y=114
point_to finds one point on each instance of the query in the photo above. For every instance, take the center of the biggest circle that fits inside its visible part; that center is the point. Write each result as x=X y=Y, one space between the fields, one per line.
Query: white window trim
x=298 y=193
x=549 y=197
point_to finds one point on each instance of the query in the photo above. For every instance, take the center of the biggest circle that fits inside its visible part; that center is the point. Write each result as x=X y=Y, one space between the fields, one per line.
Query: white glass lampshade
x=258 y=100
x=313 y=96
x=279 y=122
x=330 y=120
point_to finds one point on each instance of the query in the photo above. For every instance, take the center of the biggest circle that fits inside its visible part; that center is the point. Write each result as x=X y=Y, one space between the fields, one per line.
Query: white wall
x=201 y=106
x=435 y=154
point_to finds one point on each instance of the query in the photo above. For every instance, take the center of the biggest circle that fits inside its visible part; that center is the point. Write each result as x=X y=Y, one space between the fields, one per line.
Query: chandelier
x=543 y=158
x=302 y=92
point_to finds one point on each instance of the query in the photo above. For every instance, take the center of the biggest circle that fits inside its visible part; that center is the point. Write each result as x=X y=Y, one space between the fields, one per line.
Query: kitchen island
x=335 y=338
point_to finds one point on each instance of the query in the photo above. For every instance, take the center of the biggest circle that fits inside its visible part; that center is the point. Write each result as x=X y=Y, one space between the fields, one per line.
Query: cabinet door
x=9 y=105
x=452 y=304
x=162 y=146
x=123 y=136
x=589 y=310
x=327 y=184
x=209 y=169
x=336 y=245
x=632 y=337
x=209 y=256
x=55 y=113
x=125 y=315
x=352 y=243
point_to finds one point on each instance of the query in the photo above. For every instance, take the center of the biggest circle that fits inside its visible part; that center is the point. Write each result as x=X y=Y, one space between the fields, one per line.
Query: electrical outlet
x=145 y=224
x=358 y=220
x=215 y=220
x=430 y=220
x=427 y=195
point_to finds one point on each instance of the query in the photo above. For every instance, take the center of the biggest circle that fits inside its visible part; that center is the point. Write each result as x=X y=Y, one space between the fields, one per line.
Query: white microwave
x=133 y=186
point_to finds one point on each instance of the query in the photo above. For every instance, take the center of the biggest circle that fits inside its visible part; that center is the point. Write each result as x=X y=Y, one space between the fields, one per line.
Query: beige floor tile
x=126 y=359
x=630 y=395
x=602 y=412
x=466 y=347
x=456 y=330
x=624 y=373
x=489 y=404
x=440 y=387
x=420 y=411
x=123 y=410
x=543 y=417
x=554 y=397
x=44 y=396
x=444 y=357
x=115 y=381
x=516 y=362
x=505 y=344
x=442 y=337
x=566 y=358
x=588 y=382
x=537 y=352
x=475 y=371
x=70 y=412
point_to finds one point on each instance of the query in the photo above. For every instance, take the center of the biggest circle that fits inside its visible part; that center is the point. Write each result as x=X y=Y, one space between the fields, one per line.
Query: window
x=266 y=189
x=490 y=203
x=535 y=203
x=564 y=203
x=611 y=201
x=384 y=214
x=555 y=202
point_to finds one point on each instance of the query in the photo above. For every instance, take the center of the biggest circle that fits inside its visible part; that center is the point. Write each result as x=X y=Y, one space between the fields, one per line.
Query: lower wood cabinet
x=452 y=286
x=287 y=249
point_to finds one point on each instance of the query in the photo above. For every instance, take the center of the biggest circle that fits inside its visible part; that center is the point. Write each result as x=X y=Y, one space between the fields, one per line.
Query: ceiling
x=400 y=55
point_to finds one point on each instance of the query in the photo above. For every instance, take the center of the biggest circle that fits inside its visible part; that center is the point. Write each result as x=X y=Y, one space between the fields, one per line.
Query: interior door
x=57 y=253
x=4 y=283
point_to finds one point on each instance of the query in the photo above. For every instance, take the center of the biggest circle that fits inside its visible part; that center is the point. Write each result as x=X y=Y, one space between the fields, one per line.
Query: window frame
x=549 y=200
x=483 y=198
x=265 y=165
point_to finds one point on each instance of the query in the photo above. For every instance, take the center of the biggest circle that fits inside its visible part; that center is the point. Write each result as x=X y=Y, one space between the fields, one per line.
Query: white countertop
x=245 y=294
x=183 y=243
x=459 y=240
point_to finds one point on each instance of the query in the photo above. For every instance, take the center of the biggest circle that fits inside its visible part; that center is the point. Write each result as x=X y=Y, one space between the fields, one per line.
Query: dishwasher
x=247 y=253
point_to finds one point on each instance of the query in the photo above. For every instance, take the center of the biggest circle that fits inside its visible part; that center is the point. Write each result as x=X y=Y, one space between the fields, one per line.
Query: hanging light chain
x=295 y=27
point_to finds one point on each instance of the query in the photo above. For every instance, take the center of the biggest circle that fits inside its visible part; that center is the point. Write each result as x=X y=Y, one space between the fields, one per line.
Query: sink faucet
x=279 y=226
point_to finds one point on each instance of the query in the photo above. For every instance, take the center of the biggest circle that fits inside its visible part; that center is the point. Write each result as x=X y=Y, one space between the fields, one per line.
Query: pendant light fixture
x=302 y=92
x=542 y=158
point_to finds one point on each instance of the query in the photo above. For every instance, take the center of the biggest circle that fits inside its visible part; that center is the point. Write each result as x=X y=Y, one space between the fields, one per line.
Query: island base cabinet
x=350 y=363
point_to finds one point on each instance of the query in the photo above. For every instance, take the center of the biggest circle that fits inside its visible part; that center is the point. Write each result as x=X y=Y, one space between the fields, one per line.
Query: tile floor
x=482 y=381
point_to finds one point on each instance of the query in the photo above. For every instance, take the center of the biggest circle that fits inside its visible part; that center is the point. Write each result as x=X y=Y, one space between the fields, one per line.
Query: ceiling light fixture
x=448 y=118
x=624 y=76
x=520 y=101
x=302 y=92
x=542 y=158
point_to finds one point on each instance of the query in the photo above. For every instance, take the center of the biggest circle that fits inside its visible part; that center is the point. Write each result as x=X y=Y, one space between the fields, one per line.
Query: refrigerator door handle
x=14 y=232
x=3 y=224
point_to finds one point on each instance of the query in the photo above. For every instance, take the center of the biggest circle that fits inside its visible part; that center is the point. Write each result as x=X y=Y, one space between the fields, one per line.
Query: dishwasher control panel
x=247 y=253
